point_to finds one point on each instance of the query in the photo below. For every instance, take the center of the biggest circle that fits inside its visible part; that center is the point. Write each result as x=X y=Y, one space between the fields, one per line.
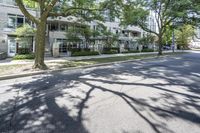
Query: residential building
x=11 y=17
x=195 y=42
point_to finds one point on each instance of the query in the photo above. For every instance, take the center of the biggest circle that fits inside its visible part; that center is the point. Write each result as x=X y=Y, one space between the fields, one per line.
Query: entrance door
x=11 y=47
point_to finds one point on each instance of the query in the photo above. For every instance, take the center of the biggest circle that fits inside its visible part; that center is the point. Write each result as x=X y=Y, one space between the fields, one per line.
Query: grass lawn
x=122 y=58
x=16 y=69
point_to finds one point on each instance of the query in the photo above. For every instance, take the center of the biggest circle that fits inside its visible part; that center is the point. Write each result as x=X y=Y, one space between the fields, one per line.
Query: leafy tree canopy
x=165 y=12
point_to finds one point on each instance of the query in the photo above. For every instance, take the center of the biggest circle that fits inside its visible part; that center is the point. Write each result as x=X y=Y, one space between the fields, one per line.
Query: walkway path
x=9 y=61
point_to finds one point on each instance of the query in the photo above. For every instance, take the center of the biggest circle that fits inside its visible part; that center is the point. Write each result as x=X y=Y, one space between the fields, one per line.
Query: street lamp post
x=173 y=39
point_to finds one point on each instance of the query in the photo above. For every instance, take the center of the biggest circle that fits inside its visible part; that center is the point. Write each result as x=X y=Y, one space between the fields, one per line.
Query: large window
x=62 y=45
x=15 y=21
x=53 y=27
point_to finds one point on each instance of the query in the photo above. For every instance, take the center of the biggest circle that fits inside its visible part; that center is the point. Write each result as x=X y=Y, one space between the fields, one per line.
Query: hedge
x=147 y=50
x=109 y=52
x=131 y=51
x=23 y=56
x=21 y=51
x=85 y=53
x=111 y=49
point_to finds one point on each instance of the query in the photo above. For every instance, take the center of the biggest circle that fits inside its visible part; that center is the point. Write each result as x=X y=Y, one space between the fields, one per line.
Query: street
x=149 y=96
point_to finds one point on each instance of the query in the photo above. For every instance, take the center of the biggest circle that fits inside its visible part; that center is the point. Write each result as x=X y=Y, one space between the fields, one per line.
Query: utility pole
x=173 y=39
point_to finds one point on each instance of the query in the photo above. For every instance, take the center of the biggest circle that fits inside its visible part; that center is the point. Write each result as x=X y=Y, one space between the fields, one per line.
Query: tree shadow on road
x=56 y=103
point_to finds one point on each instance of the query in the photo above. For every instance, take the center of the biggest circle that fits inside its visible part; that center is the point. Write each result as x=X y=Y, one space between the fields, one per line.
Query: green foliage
x=24 y=51
x=184 y=35
x=83 y=10
x=23 y=56
x=131 y=51
x=165 y=12
x=147 y=50
x=24 y=35
x=25 y=31
x=167 y=36
x=85 y=53
x=77 y=33
x=146 y=39
x=110 y=52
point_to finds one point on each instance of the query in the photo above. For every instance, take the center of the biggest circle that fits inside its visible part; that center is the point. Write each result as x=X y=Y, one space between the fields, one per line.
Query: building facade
x=11 y=18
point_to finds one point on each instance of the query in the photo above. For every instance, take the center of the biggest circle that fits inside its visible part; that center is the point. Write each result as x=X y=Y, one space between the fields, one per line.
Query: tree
x=23 y=34
x=184 y=35
x=167 y=36
x=83 y=9
x=81 y=32
x=146 y=39
x=110 y=38
x=166 y=12
x=74 y=34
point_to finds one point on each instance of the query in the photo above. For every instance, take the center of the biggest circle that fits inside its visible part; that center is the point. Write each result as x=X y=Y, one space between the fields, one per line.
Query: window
x=62 y=27
x=53 y=26
x=11 y=22
x=15 y=21
x=20 y=21
x=117 y=31
x=62 y=45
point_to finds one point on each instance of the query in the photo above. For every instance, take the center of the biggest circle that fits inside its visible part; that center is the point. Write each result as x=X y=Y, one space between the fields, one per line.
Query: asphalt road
x=149 y=96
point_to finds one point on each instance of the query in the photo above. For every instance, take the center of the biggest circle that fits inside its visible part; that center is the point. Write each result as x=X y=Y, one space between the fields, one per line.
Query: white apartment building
x=11 y=17
x=195 y=42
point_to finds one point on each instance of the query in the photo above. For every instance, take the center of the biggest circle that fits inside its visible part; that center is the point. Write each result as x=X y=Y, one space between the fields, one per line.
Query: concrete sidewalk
x=9 y=61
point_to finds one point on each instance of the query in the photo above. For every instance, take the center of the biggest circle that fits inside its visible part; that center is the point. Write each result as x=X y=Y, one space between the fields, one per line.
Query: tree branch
x=49 y=8
x=25 y=12
x=144 y=27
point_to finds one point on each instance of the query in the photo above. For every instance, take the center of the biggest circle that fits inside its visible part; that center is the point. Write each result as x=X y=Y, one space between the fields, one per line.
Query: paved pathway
x=9 y=61
x=151 y=96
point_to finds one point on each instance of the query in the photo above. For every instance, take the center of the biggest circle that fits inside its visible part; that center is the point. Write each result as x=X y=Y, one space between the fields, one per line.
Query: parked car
x=166 y=48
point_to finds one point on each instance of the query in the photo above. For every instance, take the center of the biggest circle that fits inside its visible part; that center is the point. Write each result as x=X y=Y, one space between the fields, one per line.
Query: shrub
x=109 y=52
x=111 y=49
x=85 y=53
x=24 y=56
x=147 y=50
x=131 y=51
x=73 y=50
x=23 y=51
x=86 y=49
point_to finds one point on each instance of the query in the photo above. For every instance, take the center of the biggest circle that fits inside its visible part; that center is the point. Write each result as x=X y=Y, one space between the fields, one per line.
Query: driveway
x=148 y=96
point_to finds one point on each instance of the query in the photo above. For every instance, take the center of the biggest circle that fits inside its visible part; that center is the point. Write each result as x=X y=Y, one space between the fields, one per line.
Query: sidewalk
x=9 y=61
x=16 y=69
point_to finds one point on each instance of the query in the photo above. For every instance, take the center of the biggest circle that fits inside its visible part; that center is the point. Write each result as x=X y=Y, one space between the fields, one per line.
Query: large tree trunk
x=40 y=45
x=160 y=45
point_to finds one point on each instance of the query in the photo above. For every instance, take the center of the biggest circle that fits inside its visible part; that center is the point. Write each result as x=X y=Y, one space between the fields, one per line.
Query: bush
x=85 y=53
x=109 y=52
x=24 y=56
x=131 y=51
x=111 y=49
x=147 y=50
x=86 y=49
x=73 y=50
x=23 y=51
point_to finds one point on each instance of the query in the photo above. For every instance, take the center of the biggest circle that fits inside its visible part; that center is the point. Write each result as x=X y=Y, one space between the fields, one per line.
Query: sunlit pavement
x=158 y=95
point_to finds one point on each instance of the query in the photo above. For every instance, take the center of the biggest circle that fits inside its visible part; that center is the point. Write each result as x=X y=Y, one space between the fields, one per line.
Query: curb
x=6 y=77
